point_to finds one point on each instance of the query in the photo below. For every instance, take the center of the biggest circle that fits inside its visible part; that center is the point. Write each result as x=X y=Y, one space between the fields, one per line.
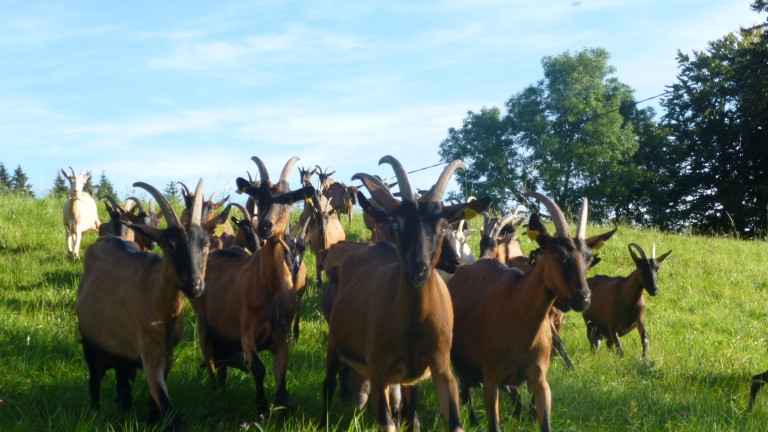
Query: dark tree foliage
x=19 y=182
x=5 y=177
x=105 y=187
x=172 y=192
x=88 y=187
x=60 y=187
x=717 y=114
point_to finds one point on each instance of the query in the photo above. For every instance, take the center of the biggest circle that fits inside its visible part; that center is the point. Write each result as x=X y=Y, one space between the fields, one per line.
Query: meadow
x=707 y=338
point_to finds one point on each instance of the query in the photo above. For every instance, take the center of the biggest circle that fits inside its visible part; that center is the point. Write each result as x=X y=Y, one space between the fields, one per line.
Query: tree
x=88 y=187
x=171 y=191
x=5 y=177
x=19 y=182
x=565 y=134
x=60 y=187
x=105 y=187
x=717 y=114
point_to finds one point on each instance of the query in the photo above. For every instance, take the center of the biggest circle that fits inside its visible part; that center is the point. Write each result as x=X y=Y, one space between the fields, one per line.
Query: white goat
x=79 y=213
x=458 y=241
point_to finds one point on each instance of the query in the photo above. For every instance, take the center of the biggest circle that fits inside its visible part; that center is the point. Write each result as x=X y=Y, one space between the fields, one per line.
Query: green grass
x=706 y=331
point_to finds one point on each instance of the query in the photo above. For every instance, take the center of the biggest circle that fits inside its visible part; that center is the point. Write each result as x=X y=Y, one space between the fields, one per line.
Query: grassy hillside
x=707 y=337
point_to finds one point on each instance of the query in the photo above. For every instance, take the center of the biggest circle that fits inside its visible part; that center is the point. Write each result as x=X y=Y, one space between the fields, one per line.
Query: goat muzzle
x=580 y=299
x=417 y=273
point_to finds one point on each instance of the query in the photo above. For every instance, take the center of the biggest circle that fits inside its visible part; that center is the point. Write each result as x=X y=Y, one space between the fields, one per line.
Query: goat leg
x=279 y=367
x=447 y=391
x=643 y=336
x=491 y=399
x=94 y=380
x=159 y=402
x=537 y=381
x=559 y=347
x=380 y=395
x=411 y=396
x=758 y=381
x=123 y=389
x=465 y=394
x=594 y=337
x=332 y=363
x=259 y=371
x=299 y=303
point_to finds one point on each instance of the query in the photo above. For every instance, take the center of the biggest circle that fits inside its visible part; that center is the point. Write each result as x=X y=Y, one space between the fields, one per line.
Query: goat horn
x=137 y=201
x=486 y=218
x=152 y=205
x=442 y=182
x=197 y=207
x=285 y=176
x=317 y=169
x=501 y=224
x=639 y=249
x=581 y=230
x=303 y=230
x=402 y=177
x=162 y=201
x=327 y=203
x=328 y=168
x=242 y=209
x=263 y=173
x=73 y=172
x=653 y=252
x=250 y=179
x=184 y=188
x=517 y=210
x=213 y=197
x=112 y=200
x=561 y=226
x=461 y=225
x=471 y=198
x=379 y=193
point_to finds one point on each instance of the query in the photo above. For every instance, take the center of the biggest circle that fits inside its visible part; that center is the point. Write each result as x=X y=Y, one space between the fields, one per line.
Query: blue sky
x=182 y=90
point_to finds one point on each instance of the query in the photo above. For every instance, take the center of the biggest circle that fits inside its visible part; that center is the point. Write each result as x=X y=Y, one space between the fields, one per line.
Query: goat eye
x=394 y=225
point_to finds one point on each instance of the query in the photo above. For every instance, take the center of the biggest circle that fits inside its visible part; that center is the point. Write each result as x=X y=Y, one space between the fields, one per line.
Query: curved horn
x=183 y=187
x=303 y=230
x=471 y=198
x=213 y=197
x=379 y=192
x=317 y=169
x=486 y=219
x=653 y=252
x=442 y=182
x=639 y=249
x=263 y=173
x=461 y=225
x=328 y=168
x=112 y=200
x=402 y=177
x=242 y=209
x=137 y=201
x=327 y=203
x=501 y=224
x=73 y=172
x=581 y=230
x=152 y=205
x=162 y=201
x=285 y=176
x=250 y=179
x=517 y=210
x=561 y=226
x=375 y=181
x=197 y=208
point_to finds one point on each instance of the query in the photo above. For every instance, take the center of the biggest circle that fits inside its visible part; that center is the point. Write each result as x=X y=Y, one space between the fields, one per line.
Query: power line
x=584 y=120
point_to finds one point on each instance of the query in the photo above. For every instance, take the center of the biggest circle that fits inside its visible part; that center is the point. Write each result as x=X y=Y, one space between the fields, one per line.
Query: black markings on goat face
x=273 y=204
x=419 y=230
x=145 y=218
x=188 y=250
x=248 y=231
x=566 y=278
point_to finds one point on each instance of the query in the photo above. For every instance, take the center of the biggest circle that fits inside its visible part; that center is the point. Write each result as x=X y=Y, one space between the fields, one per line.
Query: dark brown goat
x=129 y=304
x=246 y=236
x=392 y=319
x=250 y=300
x=618 y=305
x=502 y=330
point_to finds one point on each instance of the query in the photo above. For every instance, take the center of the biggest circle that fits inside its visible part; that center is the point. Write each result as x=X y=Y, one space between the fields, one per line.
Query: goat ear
x=663 y=257
x=159 y=215
x=66 y=176
x=220 y=203
x=155 y=234
x=244 y=185
x=536 y=230
x=466 y=211
x=598 y=241
x=296 y=196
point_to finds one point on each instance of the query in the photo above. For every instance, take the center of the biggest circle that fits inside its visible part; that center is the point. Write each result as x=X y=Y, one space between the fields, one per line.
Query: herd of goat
x=402 y=308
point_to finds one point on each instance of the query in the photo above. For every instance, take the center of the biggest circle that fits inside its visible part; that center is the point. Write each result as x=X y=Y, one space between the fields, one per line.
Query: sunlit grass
x=706 y=339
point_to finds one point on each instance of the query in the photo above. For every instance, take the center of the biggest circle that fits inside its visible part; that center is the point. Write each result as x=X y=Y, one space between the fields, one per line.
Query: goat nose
x=197 y=285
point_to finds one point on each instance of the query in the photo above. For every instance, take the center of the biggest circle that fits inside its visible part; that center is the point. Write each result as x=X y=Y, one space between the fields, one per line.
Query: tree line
x=579 y=132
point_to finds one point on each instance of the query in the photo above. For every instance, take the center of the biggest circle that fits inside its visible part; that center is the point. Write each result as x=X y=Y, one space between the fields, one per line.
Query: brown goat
x=298 y=247
x=327 y=231
x=209 y=208
x=129 y=304
x=250 y=300
x=618 y=306
x=502 y=330
x=391 y=320
x=246 y=236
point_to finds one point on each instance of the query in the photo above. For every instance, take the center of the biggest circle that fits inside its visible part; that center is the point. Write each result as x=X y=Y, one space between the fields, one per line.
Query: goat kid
x=129 y=304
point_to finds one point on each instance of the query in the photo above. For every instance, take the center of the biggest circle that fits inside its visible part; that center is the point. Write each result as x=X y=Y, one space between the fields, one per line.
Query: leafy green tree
x=717 y=114
x=105 y=187
x=566 y=134
x=19 y=182
x=60 y=187
x=89 y=187
x=171 y=191
x=5 y=177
